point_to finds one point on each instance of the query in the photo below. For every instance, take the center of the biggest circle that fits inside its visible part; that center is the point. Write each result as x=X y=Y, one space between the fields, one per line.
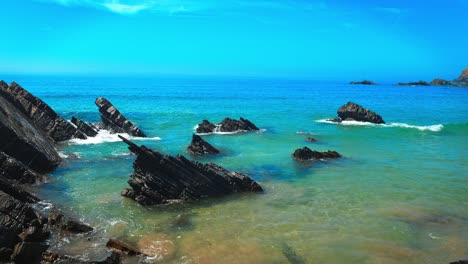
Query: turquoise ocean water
x=399 y=195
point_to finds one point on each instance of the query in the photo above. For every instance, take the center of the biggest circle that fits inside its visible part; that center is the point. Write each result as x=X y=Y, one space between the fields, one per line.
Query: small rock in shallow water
x=306 y=154
x=199 y=146
x=122 y=247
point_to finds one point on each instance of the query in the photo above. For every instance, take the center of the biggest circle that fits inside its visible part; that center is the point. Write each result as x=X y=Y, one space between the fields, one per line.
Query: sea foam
x=105 y=136
x=433 y=128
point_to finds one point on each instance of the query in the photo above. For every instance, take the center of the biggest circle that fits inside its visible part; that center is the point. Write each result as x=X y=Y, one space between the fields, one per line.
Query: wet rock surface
x=199 y=147
x=84 y=127
x=16 y=171
x=39 y=113
x=21 y=139
x=114 y=121
x=161 y=179
x=226 y=125
x=353 y=111
x=306 y=154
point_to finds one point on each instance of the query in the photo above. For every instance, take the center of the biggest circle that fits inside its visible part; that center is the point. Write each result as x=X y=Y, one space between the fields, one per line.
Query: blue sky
x=290 y=38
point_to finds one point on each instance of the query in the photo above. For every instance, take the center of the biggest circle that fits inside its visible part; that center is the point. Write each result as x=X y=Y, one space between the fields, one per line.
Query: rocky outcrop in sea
x=29 y=129
x=39 y=113
x=162 y=179
x=354 y=112
x=227 y=125
x=21 y=139
x=364 y=82
x=306 y=154
x=114 y=121
x=199 y=147
x=86 y=128
x=419 y=83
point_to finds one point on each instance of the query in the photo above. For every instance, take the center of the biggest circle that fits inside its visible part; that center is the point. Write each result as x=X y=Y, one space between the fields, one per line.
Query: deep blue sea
x=399 y=195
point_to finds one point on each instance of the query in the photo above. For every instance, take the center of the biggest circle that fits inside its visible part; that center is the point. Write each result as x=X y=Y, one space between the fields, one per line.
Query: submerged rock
x=353 y=111
x=440 y=82
x=21 y=139
x=364 y=82
x=120 y=246
x=227 y=125
x=311 y=139
x=199 y=146
x=16 y=171
x=84 y=127
x=161 y=179
x=420 y=83
x=44 y=117
x=113 y=120
x=306 y=154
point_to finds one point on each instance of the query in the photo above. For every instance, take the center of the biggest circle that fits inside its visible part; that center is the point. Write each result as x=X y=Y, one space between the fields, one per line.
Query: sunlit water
x=399 y=195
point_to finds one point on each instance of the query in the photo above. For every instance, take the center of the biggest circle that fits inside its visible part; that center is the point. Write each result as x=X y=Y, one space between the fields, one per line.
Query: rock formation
x=16 y=171
x=39 y=113
x=161 y=179
x=227 y=125
x=84 y=127
x=114 y=121
x=364 y=82
x=355 y=112
x=23 y=230
x=306 y=154
x=199 y=146
x=21 y=139
x=463 y=76
x=440 y=82
x=420 y=83
x=311 y=139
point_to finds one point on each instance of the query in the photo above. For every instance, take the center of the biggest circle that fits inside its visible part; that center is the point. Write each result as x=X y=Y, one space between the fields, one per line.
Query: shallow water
x=399 y=195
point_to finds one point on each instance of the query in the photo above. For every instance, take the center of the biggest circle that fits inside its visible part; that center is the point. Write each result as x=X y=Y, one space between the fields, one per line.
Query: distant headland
x=461 y=81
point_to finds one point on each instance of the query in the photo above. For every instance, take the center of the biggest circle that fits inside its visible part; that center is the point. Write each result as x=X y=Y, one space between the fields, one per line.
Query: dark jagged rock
x=460 y=262
x=160 y=179
x=420 y=83
x=305 y=154
x=66 y=224
x=27 y=252
x=120 y=246
x=227 y=125
x=353 y=111
x=75 y=227
x=113 y=120
x=39 y=113
x=21 y=139
x=16 y=171
x=205 y=127
x=364 y=82
x=440 y=82
x=198 y=146
x=15 y=211
x=84 y=127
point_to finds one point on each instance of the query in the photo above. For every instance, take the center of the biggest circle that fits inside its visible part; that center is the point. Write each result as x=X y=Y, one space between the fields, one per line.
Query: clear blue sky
x=327 y=39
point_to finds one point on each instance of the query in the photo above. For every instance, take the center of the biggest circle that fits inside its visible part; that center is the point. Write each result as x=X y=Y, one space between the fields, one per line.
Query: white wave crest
x=105 y=136
x=433 y=128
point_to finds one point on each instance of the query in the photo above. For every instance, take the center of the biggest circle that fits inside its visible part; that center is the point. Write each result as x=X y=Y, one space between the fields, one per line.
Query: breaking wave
x=433 y=128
